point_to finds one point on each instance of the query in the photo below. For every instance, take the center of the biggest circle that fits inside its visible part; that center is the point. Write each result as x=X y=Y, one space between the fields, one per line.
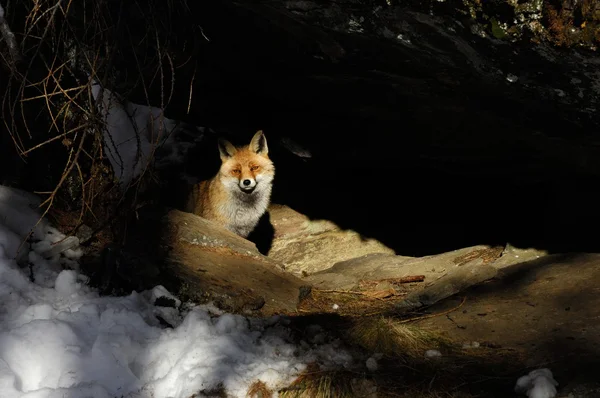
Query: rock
x=201 y=261
x=466 y=263
x=308 y=246
x=513 y=255
x=84 y=233
x=365 y=266
x=201 y=232
x=445 y=275
x=332 y=280
x=452 y=283
x=546 y=310
x=289 y=223
x=581 y=389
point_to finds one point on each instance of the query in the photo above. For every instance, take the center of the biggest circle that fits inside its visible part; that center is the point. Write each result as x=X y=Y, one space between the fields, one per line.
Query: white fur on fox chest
x=243 y=213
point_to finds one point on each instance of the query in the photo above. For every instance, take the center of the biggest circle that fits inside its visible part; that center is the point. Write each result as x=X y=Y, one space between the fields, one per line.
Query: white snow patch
x=432 y=354
x=471 y=344
x=135 y=132
x=160 y=292
x=66 y=283
x=511 y=78
x=372 y=364
x=403 y=39
x=60 y=338
x=538 y=383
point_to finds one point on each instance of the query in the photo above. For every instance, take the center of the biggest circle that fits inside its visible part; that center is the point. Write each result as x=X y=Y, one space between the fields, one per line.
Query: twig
x=192 y=88
x=418 y=318
x=369 y=293
x=172 y=80
x=66 y=90
x=56 y=137
x=395 y=281
x=69 y=166
x=82 y=212
x=341 y=291
x=202 y=32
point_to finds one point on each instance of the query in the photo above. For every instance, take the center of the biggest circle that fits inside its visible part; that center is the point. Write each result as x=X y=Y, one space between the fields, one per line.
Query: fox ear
x=258 y=144
x=226 y=149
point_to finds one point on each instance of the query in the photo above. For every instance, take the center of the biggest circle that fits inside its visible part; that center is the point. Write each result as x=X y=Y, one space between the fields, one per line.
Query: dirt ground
x=546 y=310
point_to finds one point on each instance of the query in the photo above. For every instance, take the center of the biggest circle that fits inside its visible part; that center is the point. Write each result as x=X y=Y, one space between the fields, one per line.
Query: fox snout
x=247 y=184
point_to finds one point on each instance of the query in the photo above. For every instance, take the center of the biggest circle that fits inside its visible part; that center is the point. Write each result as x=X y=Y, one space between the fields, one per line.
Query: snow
x=471 y=344
x=432 y=354
x=60 y=338
x=134 y=133
x=372 y=364
x=66 y=283
x=538 y=383
x=512 y=78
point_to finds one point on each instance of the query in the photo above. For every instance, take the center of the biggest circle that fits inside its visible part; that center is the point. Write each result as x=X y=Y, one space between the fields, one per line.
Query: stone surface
x=469 y=264
x=546 y=309
x=202 y=261
x=514 y=255
x=306 y=246
x=204 y=233
x=452 y=283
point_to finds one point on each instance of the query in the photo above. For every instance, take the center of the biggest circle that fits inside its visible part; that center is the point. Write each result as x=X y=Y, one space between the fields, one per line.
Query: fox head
x=247 y=169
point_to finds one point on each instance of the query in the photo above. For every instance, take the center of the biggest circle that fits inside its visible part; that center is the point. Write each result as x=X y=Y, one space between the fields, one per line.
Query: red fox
x=239 y=194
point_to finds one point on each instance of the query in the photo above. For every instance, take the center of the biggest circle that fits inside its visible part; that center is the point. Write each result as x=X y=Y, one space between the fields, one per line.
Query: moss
x=497 y=30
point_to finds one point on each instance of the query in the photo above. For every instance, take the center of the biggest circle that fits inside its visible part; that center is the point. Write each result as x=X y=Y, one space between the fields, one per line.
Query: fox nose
x=247 y=182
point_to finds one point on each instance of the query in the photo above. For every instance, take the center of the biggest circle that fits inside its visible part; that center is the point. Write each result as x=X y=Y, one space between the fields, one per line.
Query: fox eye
x=236 y=171
x=253 y=168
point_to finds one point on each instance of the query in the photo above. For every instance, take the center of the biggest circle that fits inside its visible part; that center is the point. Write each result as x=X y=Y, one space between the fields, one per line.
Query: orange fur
x=240 y=193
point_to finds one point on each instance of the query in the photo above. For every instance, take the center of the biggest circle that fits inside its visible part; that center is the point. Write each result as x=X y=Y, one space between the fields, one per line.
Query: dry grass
x=259 y=389
x=403 y=370
x=47 y=106
x=317 y=383
x=353 y=303
x=389 y=337
x=395 y=381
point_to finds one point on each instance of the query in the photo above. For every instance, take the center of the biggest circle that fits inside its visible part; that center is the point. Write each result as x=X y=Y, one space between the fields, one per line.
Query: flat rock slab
x=306 y=246
x=383 y=283
x=207 y=262
x=515 y=255
x=200 y=261
x=198 y=231
x=348 y=274
x=547 y=309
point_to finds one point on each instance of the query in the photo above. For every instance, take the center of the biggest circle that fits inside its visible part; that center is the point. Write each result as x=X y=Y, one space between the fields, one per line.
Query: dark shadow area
x=427 y=148
x=135 y=263
x=263 y=234
x=422 y=144
x=420 y=206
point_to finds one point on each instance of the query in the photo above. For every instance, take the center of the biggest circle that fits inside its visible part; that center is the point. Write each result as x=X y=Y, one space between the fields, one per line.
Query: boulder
x=200 y=261
x=373 y=267
x=306 y=246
